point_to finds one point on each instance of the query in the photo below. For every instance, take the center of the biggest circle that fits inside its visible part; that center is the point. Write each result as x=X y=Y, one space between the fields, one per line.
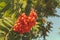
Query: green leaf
x=2 y=4
x=13 y=36
x=1 y=23
x=7 y=13
x=38 y=23
x=2 y=32
x=4 y=29
x=1 y=38
x=13 y=16
x=9 y=20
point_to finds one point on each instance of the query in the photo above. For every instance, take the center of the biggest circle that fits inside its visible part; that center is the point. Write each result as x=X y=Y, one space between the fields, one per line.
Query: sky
x=54 y=34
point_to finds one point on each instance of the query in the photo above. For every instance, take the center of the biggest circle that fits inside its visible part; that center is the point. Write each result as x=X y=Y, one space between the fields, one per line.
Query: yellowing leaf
x=2 y=4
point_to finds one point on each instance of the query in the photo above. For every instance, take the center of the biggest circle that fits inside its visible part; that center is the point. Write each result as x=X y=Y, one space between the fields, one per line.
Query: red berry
x=25 y=23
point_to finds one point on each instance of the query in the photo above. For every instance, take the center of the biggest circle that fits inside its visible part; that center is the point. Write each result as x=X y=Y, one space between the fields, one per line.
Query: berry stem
x=21 y=35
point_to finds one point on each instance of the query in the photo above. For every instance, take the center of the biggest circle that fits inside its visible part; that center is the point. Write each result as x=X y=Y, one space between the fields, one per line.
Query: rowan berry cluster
x=25 y=23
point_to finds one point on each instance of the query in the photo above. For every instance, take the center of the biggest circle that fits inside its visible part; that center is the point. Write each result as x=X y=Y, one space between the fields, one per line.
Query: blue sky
x=53 y=35
x=56 y=24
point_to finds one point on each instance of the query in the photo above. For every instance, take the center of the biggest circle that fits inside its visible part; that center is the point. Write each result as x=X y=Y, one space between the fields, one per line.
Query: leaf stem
x=21 y=36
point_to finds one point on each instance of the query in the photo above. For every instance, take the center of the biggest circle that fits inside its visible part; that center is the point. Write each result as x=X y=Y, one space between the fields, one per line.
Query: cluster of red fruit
x=24 y=23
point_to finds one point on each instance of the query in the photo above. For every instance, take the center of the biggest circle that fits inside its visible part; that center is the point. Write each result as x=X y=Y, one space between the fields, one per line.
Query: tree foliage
x=11 y=9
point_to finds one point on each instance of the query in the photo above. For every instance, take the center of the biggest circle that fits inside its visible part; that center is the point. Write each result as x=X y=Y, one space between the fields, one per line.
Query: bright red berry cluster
x=24 y=23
